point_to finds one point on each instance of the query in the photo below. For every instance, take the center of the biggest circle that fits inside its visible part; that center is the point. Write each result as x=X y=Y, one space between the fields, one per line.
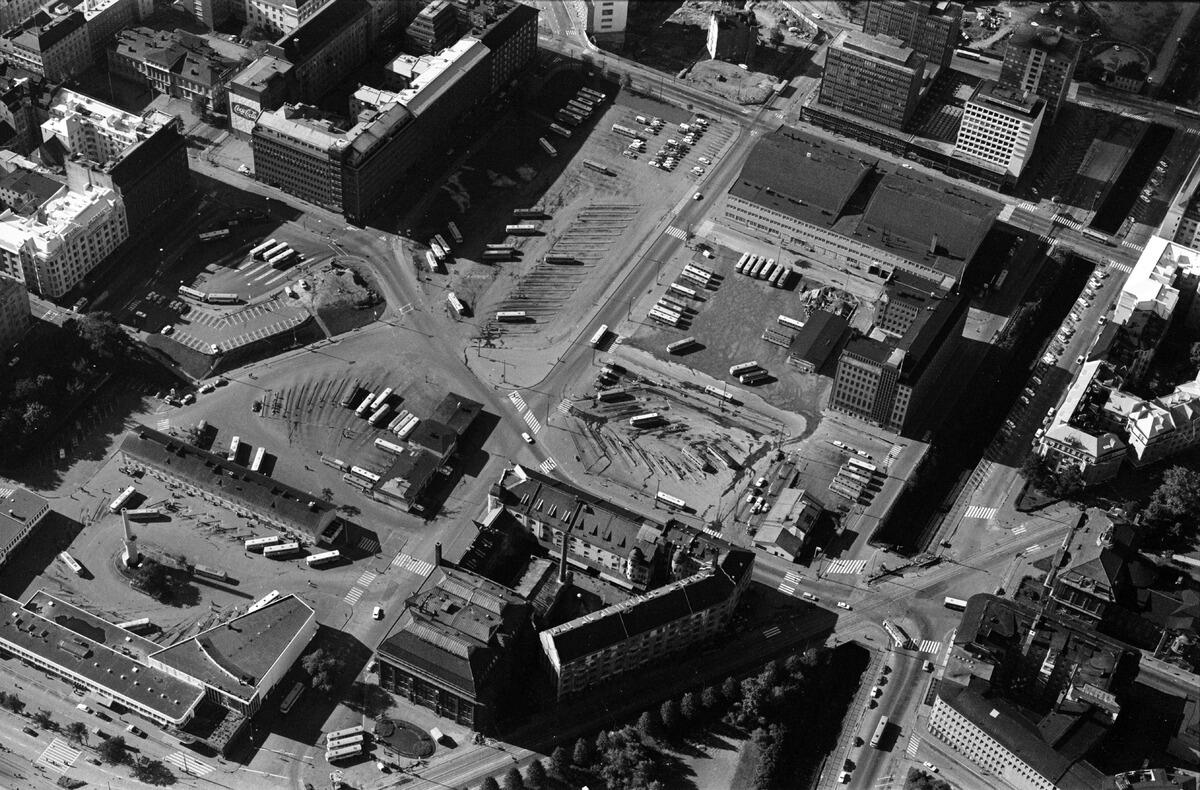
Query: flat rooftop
x=17 y=508
x=879 y=47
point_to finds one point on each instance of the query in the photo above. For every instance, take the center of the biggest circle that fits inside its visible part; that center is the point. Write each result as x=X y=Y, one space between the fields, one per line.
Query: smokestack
x=933 y=244
x=562 y=559
x=437 y=555
x=130 y=555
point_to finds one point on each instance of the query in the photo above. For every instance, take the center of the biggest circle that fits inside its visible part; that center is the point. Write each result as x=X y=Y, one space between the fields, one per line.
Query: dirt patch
x=731 y=82
x=344 y=296
x=1143 y=24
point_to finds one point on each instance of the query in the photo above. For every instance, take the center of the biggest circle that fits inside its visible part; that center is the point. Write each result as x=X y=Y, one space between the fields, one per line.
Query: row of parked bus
x=276 y=548
x=235 y=450
x=763 y=268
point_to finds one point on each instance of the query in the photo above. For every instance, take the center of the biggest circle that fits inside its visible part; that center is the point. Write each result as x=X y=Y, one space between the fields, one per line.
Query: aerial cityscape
x=602 y=394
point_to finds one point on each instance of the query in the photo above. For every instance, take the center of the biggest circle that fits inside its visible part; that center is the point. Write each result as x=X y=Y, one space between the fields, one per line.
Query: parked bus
x=753 y=269
x=672 y=502
x=568 y=117
x=667 y=312
x=562 y=260
x=645 y=420
x=431 y=261
x=442 y=243
x=336 y=463
x=521 y=230
x=259 y=455
x=70 y=562
x=291 y=698
x=140 y=624
x=391 y=447
x=191 y=293
x=790 y=323
x=896 y=633
x=595 y=94
x=342 y=741
x=781 y=277
x=502 y=247
x=350 y=393
x=258 y=544
x=880 y=731
x=274 y=249
x=266 y=600
x=743 y=367
x=213 y=235
x=682 y=290
x=561 y=131
x=210 y=573
x=344 y=752
x=718 y=392
x=407 y=426
x=547 y=147
x=280 y=259
x=222 y=298
x=364 y=407
x=281 y=551
x=381 y=398
x=753 y=376
x=671 y=304
x=511 y=316
x=455 y=234
x=257 y=252
x=768 y=271
x=858 y=463
x=670 y=319
x=598 y=338
x=143 y=514
x=498 y=255
x=323 y=559
x=122 y=499
x=532 y=212
x=235 y=446
x=334 y=735
x=379 y=414
x=696 y=277
x=609 y=395
x=724 y=458
x=681 y=345
x=1188 y=111
x=957 y=604
x=741 y=264
x=456 y=304
x=599 y=168
x=365 y=474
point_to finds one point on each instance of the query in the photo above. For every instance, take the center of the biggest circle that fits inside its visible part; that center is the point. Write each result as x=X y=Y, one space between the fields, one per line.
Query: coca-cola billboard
x=246 y=111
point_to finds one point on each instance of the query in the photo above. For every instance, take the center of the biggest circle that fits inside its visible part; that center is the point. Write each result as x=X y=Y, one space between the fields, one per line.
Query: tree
x=603 y=742
x=327 y=494
x=323 y=668
x=627 y=81
x=649 y=725
x=154 y=580
x=42 y=719
x=670 y=715
x=11 y=702
x=775 y=37
x=1173 y=508
x=513 y=779
x=582 y=756
x=1067 y=482
x=153 y=772
x=489 y=784
x=1194 y=355
x=731 y=690
x=560 y=761
x=535 y=775
x=113 y=750
x=690 y=707
x=712 y=699
x=77 y=731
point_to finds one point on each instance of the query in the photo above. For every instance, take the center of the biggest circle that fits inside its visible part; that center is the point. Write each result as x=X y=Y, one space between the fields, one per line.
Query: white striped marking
x=1021 y=530
x=548 y=466
x=59 y=755
x=353 y=595
x=677 y=233
x=929 y=646
x=411 y=564
x=534 y=424
x=773 y=631
x=189 y=764
x=980 y=511
x=366 y=578
x=846 y=566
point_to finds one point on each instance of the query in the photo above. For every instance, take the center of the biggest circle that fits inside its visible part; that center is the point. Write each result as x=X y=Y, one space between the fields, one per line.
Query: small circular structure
x=404 y=738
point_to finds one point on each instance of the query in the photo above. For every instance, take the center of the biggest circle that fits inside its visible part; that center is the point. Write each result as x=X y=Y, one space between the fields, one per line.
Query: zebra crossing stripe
x=368 y=544
x=914 y=742
x=846 y=566
x=163 y=425
x=564 y=406
x=411 y=564
x=786 y=589
x=59 y=755
x=772 y=631
x=366 y=578
x=189 y=764
x=979 y=511
x=517 y=400
x=930 y=646
x=353 y=595
x=1021 y=530
x=548 y=466
x=677 y=233
x=534 y=424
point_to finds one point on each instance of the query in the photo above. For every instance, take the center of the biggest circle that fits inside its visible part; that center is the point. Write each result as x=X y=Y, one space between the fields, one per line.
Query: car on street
x=697 y=196
x=810 y=596
x=930 y=766
x=528 y=439
x=134 y=730
x=844 y=605
x=30 y=731
x=168 y=329
x=377 y=613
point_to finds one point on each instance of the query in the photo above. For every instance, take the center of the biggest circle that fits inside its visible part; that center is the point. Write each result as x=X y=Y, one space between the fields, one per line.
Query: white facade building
x=606 y=21
x=999 y=129
x=281 y=16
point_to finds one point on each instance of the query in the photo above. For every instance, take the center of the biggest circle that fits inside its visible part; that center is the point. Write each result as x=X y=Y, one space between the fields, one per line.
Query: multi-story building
x=14 y=319
x=246 y=494
x=873 y=77
x=18 y=109
x=648 y=628
x=452 y=648
x=104 y=19
x=176 y=64
x=606 y=20
x=999 y=129
x=1094 y=448
x=262 y=86
x=1040 y=60
x=212 y=13
x=788 y=525
x=509 y=31
x=282 y=17
x=21 y=511
x=326 y=47
x=808 y=193
x=143 y=158
x=1188 y=231
x=434 y=29
x=931 y=27
x=732 y=35
x=13 y=12
x=52 y=46
x=52 y=247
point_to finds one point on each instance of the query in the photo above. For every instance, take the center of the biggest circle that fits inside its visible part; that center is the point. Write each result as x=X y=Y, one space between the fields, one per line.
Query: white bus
x=598 y=338
x=381 y=398
x=281 y=551
x=456 y=304
x=191 y=293
x=511 y=316
x=281 y=257
x=122 y=499
x=673 y=502
x=547 y=147
x=344 y=752
x=670 y=319
x=431 y=262
x=743 y=367
x=380 y=414
x=143 y=514
x=442 y=243
x=365 y=406
x=70 y=562
x=213 y=235
x=323 y=559
x=235 y=444
x=334 y=735
x=259 y=455
x=407 y=426
x=454 y=232
x=741 y=264
x=790 y=323
x=365 y=474
x=717 y=392
x=521 y=230
x=267 y=599
x=681 y=345
x=391 y=447
x=957 y=604
x=897 y=634
x=258 y=544
x=767 y=271
x=858 y=463
x=682 y=290
x=274 y=249
x=140 y=624
x=291 y=698
x=756 y=267
x=643 y=420
x=342 y=741
x=257 y=252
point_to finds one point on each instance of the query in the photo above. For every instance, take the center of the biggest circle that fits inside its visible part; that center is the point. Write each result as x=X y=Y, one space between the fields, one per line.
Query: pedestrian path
x=1120 y=267
x=929 y=646
x=914 y=743
x=1025 y=205
x=677 y=233
x=564 y=406
x=534 y=423
x=368 y=544
x=893 y=454
x=773 y=631
x=59 y=755
x=1133 y=245
x=413 y=565
x=366 y=578
x=517 y=400
x=790 y=582
x=979 y=511
x=189 y=764
x=548 y=466
x=1021 y=530
x=164 y=425
x=845 y=566
x=353 y=595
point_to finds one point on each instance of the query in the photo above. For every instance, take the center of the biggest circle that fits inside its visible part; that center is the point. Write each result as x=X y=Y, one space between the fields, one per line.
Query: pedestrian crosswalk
x=1133 y=245
x=929 y=646
x=564 y=406
x=914 y=743
x=366 y=578
x=533 y=422
x=845 y=566
x=1021 y=530
x=893 y=454
x=353 y=595
x=1120 y=267
x=773 y=631
x=1025 y=205
x=164 y=425
x=59 y=755
x=789 y=583
x=548 y=466
x=413 y=565
x=979 y=511
x=368 y=544
x=1062 y=219
x=517 y=400
x=189 y=764
x=677 y=233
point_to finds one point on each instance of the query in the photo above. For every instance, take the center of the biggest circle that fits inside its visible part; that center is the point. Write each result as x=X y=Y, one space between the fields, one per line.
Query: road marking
x=1021 y=530
x=846 y=566
x=353 y=595
x=534 y=424
x=163 y=425
x=564 y=406
x=59 y=755
x=929 y=646
x=189 y=764
x=677 y=233
x=980 y=511
x=773 y=631
x=368 y=544
x=893 y=454
x=789 y=583
x=517 y=400
x=548 y=466
x=1032 y=549
x=914 y=742
x=366 y=578
x=411 y=564
x=1121 y=267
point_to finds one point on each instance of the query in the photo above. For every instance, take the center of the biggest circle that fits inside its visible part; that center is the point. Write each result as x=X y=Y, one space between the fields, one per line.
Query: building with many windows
x=262 y=86
x=648 y=628
x=872 y=77
x=19 y=109
x=999 y=129
x=176 y=64
x=434 y=29
x=326 y=47
x=930 y=27
x=282 y=17
x=452 y=649
x=1040 y=60
x=606 y=20
x=21 y=511
x=15 y=314
x=53 y=46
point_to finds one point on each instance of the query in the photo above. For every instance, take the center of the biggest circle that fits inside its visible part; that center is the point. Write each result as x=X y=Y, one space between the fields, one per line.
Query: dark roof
x=236 y=655
x=311 y=37
x=500 y=31
x=802 y=176
x=457 y=412
x=1045 y=38
x=179 y=52
x=588 y=634
x=42 y=31
x=37 y=186
x=878 y=351
x=64 y=638
x=410 y=472
x=435 y=437
x=1009 y=726
x=455 y=629
x=939 y=227
x=256 y=492
x=819 y=337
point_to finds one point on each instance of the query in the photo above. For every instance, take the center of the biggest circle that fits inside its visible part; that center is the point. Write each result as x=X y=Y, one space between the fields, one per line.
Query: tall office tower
x=999 y=129
x=931 y=28
x=1040 y=60
x=873 y=77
